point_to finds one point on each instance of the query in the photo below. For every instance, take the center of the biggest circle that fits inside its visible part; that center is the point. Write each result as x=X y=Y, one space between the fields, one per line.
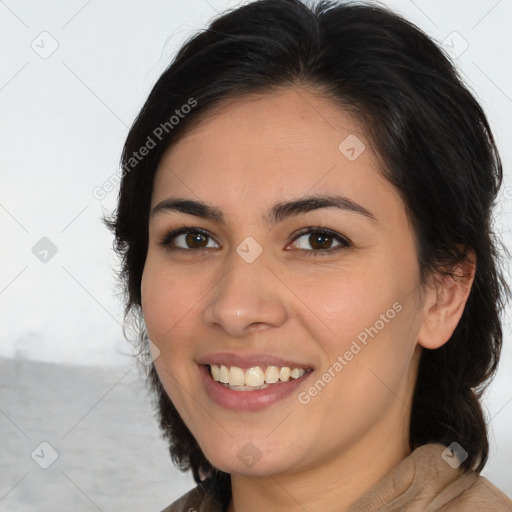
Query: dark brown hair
x=434 y=144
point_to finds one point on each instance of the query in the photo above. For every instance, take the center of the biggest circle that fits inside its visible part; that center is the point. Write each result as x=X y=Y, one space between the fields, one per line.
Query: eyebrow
x=276 y=214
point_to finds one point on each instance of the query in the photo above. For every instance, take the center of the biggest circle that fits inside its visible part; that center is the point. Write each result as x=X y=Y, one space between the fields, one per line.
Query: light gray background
x=63 y=119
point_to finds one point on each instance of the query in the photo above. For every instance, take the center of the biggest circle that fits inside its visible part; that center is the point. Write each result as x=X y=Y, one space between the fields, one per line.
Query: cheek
x=345 y=303
x=168 y=300
x=168 y=307
x=370 y=318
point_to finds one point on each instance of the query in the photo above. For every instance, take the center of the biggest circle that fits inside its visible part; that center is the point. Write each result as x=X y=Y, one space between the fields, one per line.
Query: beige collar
x=422 y=481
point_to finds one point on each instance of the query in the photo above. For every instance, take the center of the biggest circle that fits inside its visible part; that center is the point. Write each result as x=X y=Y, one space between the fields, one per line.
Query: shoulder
x=196 y=500
x=480 y=496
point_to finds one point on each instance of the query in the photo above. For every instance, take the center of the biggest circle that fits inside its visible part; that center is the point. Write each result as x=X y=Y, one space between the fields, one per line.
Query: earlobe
x=444 y=303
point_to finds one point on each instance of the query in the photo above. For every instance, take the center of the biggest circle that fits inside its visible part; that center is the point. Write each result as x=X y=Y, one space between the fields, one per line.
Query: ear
x=444 y=303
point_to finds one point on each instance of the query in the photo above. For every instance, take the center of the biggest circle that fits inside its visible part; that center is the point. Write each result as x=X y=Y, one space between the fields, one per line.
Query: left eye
x=188 y=239
x=320 y=241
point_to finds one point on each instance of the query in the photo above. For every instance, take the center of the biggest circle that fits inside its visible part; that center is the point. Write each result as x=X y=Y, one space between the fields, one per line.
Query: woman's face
x=259 y=289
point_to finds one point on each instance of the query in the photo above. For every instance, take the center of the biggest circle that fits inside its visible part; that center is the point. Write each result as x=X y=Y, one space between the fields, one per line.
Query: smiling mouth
x=254 y=378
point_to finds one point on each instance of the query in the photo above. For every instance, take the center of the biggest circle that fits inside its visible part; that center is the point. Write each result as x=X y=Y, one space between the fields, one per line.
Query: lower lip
x=248 y=400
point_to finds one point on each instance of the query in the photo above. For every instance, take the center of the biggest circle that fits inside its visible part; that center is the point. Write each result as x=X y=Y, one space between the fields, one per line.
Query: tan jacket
x=421 y=482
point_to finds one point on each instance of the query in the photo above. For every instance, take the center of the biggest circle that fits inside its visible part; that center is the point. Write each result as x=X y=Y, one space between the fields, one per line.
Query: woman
x=304 y=222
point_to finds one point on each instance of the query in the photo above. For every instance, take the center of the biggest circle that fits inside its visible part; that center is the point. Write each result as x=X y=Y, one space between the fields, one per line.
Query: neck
x=335 y=484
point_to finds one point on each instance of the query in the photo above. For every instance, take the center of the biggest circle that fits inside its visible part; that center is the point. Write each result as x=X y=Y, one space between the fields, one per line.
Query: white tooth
x=249 y=388
x=236 y=376
x=215 y=370
x=254 y=377
x=284 y=373
x=224 y=374
x=297 y=373
x=271 y=374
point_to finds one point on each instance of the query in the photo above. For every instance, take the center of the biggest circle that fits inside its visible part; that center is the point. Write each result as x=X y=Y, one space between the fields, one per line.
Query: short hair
x=433 y=143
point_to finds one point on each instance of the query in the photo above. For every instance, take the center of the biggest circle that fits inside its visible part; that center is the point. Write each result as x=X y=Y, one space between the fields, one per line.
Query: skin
x=253 y=153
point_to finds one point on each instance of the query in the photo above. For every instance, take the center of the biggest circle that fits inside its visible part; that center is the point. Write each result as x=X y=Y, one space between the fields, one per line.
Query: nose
x=248 y=298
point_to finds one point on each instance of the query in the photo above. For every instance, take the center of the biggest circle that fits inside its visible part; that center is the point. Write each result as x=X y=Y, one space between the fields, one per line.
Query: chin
x=247 y=459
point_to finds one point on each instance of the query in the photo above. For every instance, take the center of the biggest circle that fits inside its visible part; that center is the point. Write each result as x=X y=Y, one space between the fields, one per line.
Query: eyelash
x=343 y=241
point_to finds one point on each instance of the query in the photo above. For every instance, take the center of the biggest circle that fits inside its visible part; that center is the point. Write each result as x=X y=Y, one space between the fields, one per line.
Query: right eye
x=188 y=239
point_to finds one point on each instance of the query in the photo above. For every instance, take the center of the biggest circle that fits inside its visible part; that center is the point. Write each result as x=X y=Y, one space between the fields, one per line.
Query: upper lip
x=245 y=361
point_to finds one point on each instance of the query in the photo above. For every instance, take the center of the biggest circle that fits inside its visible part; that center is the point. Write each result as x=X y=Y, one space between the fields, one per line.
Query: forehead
x=272 y=146
x=292 y=118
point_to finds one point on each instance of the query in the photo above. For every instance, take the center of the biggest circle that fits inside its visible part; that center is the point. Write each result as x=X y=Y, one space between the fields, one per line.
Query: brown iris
x=319 y=241
x=196 y=240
